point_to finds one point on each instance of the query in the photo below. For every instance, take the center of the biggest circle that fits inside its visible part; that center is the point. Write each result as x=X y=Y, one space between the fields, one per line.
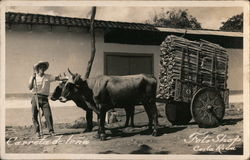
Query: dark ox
x=80 y=102
x=103 y=93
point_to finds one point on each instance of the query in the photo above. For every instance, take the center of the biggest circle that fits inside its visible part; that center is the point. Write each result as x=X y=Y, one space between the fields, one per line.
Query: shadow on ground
x=109 y=152
x=232 y=121
x=224 y=122
x=119 y=132
x=142 y=149
x=145 y=149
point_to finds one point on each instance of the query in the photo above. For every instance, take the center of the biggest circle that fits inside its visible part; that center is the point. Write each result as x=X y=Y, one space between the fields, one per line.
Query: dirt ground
x=184 y=139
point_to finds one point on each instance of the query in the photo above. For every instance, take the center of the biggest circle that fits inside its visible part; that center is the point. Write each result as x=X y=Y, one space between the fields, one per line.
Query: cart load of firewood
x=201 y=63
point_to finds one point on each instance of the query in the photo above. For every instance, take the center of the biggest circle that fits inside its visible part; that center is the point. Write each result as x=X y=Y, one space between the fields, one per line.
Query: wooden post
x=39 y=110
x=92 y=37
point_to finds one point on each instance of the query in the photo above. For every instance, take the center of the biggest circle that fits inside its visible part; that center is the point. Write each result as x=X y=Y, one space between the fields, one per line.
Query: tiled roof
x=27 y=18
x=23 y=18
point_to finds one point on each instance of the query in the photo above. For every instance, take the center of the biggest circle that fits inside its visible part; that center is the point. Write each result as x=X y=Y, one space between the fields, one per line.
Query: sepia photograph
x=124 y=81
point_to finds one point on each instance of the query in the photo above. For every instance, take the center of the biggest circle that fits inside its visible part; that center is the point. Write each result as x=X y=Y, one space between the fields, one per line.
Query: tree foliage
x=174 y=19
x=235 y=23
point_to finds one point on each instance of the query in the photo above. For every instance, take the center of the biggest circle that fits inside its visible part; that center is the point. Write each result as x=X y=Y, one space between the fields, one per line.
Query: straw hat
x=41 y=63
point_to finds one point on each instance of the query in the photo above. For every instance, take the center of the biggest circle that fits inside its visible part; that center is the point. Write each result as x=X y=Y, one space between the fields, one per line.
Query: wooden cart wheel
x=178 y=113
x=207 y=107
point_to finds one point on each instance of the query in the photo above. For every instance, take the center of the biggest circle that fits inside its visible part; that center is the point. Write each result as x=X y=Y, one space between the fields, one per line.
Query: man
x=43 y=89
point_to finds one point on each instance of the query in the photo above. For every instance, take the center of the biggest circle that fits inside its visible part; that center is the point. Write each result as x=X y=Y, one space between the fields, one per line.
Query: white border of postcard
x=246 y=59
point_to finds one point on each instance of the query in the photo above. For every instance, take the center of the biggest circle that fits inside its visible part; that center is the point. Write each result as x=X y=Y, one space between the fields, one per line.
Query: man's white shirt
x=43 y=84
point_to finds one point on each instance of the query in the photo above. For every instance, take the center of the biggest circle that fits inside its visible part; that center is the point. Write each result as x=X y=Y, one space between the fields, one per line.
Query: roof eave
x=201 y=32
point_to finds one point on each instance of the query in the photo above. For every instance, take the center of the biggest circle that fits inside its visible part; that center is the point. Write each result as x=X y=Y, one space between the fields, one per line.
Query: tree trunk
x=92 y=36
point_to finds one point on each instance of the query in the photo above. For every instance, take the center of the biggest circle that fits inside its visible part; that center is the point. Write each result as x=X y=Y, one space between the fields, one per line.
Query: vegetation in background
x=235 y=24
x=174 y=19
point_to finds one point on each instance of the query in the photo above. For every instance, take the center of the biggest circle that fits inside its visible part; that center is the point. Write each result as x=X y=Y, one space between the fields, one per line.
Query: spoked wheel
x=207 y=108
x=178 y=113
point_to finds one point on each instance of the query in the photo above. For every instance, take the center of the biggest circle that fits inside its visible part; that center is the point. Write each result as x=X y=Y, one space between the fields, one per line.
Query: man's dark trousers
x=44 y=105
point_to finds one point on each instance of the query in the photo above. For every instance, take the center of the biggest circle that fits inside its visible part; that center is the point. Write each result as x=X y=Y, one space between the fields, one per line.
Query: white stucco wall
x=64 y=49
x=235 y=70
x=61 y=48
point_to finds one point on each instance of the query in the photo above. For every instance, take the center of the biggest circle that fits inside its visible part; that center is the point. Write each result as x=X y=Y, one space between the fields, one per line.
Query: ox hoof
x=97 y=136
x=87 y=130
x=155 y=133
x=150 y=127
x=103 y=137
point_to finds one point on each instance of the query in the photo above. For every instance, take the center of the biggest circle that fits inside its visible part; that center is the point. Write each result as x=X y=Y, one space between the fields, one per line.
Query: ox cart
x=193 y=81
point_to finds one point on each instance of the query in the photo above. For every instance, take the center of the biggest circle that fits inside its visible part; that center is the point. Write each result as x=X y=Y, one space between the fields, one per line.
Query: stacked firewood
x=202 y=63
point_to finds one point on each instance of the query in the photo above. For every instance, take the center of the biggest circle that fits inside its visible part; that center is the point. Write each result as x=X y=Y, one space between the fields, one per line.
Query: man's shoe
x=38 y=135
x=52 y=133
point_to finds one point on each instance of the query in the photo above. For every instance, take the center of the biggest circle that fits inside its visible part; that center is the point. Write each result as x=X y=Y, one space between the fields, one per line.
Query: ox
x=80 y=102
x=103 y=93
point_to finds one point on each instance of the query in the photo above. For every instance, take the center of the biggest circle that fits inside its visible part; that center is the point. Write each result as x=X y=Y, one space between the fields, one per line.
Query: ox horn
x=70 y=72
